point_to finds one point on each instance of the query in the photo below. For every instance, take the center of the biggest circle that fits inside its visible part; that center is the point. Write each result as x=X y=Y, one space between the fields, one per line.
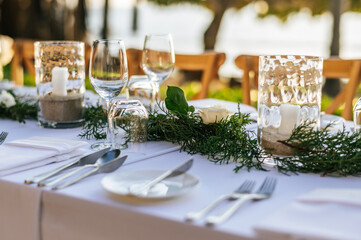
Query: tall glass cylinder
x=289 y=93
x=60 y=75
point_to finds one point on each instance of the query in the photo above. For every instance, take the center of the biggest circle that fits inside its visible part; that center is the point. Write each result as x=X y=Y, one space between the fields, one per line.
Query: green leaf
x=176 y=101
x=191 y=109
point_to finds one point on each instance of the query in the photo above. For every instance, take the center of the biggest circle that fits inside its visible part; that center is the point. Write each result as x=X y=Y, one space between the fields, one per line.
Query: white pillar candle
x=59 y=80
x=290 y=118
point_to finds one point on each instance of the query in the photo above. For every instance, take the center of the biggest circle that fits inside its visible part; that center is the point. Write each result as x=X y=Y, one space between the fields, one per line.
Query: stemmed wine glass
x=158 y=58
x=108 y=74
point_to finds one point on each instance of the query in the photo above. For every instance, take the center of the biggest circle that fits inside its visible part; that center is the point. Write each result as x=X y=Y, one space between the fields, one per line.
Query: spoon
x=108 y=156
x=99 y=167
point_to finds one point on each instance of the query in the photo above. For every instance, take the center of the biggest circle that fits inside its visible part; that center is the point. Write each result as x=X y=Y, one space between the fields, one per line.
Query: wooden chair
x=209 y=63
x=134 y=60
x=338 y=68
x=332 y=68
x=24 y=58
x=249 y=65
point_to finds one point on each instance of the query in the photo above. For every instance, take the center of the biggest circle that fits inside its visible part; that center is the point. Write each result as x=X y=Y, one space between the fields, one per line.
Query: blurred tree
x=279 y=8
x=285 y=8
x=44 y=19
x=105 y=19
x=135 y=16
x=218 y=7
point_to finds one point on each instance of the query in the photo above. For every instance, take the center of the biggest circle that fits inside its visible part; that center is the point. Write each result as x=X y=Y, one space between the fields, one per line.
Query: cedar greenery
x=23 y=109
x=94 y=124
x=322 y=152
x=222 y=142
x=316 y=151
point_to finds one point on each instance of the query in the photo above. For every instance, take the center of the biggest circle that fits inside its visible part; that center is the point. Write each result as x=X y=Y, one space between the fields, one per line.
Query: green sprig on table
x=322 y=152
x=94 y=124
x=21 y=111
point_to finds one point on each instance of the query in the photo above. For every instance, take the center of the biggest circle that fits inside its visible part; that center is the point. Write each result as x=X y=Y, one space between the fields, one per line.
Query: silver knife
x=90 y=158
x=143 y=189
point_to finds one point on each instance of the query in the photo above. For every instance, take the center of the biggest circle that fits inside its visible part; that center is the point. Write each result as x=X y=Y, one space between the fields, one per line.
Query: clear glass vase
x=60 y=75
x=289 y=93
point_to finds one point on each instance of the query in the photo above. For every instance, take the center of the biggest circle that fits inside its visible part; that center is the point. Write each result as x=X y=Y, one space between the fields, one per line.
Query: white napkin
x=320 y=214
x=33 y=152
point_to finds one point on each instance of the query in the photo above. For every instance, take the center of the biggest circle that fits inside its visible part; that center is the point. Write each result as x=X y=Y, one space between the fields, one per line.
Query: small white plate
x=119 y=183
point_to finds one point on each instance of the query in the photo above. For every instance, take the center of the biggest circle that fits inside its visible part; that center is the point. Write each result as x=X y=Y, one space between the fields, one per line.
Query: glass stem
x=108 y=125
x=157 y=89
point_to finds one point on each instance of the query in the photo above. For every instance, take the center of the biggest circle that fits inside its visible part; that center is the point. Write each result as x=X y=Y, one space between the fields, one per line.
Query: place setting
x=126 y=123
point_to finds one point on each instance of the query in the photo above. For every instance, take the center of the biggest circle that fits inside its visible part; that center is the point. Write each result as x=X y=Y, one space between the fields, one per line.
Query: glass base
x=100 y=145
x=60 y=125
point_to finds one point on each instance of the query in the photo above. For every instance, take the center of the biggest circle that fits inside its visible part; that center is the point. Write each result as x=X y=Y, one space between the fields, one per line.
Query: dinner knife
x=143 y=189
x=90 y=158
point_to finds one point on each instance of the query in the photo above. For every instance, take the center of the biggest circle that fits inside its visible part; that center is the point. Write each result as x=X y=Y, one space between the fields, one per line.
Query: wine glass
x=108 y=74
x=158 y=58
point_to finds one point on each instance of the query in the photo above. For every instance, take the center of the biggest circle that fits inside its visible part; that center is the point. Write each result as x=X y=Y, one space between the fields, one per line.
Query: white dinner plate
x=120 y=182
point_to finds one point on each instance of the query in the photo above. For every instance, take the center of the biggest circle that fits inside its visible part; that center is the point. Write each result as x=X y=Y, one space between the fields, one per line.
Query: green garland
x=322 y=152
x=22 y=110
x=94 y=123
x=226 y=141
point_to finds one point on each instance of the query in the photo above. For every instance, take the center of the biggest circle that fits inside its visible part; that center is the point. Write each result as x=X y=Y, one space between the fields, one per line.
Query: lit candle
x=59 y=79
x=290 y=118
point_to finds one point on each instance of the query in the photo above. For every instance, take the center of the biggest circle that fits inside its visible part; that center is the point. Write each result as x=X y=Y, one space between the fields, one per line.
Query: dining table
x=87 y=211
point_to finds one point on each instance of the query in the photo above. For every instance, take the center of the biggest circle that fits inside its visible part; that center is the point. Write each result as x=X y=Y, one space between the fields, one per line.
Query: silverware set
x=102 y=161
x=3 y=136
x=239 y=197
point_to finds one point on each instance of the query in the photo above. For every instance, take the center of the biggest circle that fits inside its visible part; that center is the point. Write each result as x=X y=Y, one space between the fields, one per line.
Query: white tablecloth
x=86 y=211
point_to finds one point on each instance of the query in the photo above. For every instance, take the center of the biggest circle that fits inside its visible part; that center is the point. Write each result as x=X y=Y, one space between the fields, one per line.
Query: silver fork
x=245 y=188
x=3 y=136
x=264 y=192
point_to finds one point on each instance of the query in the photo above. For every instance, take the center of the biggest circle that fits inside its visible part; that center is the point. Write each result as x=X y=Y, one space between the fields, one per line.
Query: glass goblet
x=108 y=74
x=158 y=58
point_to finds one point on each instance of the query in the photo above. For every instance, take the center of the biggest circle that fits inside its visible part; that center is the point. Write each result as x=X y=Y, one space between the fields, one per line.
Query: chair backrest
x=332 y=68
x=134 y=57
x=208 y=62
x=24 y=57
x=339 y=68
x=249 y=65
